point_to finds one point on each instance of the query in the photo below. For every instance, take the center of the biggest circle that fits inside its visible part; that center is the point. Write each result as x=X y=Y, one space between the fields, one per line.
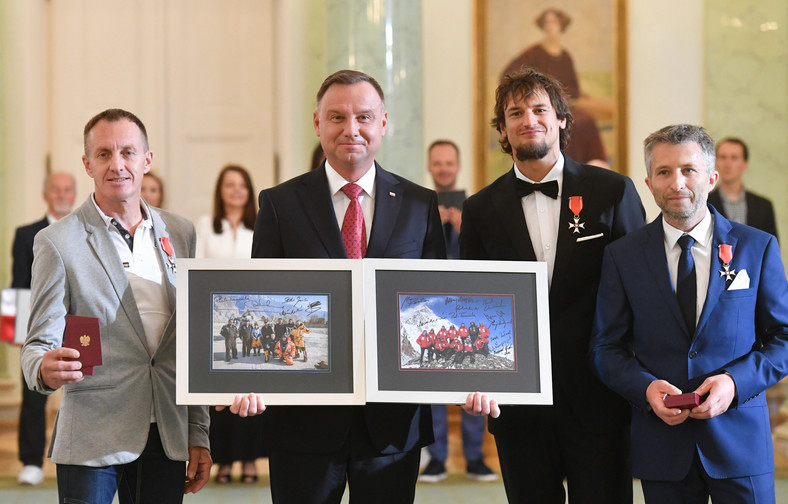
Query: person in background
x=59 y=193
x=227 y=234
x=317 y=157
x=443 y=165
x=153 y=190
x=730 y=197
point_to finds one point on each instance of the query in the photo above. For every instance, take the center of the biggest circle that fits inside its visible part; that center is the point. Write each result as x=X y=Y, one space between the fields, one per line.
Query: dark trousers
x=698 y=486
x=230 y=348
x=320 y=478
x=549 y=446
x=32 y=427
x=247 y=347
x=152 y=478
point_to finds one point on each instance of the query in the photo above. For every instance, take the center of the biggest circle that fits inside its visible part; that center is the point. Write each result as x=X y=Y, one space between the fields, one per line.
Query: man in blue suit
x=694 y=303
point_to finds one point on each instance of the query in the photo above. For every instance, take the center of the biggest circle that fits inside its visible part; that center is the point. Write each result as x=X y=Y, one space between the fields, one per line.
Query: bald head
x=60 y=190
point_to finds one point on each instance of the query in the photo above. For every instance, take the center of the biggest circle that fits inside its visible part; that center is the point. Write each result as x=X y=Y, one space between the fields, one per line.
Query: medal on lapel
x=726 y=256
x=576 y=205
x=167 y=247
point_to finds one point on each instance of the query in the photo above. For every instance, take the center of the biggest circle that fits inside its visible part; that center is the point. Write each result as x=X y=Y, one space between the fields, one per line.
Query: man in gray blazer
x=114 y=259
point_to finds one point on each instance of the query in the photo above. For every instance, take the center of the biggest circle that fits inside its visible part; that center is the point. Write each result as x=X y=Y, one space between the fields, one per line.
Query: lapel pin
x=392 y=194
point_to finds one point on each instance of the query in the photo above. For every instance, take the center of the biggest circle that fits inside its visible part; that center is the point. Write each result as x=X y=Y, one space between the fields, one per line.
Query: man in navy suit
x=694 y=303
x=551 y=208
x=59 y=193
x=316 y=450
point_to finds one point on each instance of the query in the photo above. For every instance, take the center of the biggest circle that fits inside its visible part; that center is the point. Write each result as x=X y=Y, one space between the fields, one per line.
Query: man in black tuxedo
x=730 y=197
x=59 y=193
x=553 y=209
x=315 y=450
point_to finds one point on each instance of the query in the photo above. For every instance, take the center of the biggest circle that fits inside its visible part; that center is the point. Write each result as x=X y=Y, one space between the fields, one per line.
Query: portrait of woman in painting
x=551 y=57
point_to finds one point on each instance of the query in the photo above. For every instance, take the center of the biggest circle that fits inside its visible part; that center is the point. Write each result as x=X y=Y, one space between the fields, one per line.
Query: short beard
x=532 y=151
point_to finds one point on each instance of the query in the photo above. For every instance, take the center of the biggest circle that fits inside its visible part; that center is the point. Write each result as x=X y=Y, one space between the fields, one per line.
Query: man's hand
x=198 y=470
x=245 y=406
x=452 y=215
x=479 y=404
x=56 y=371
x=655 y=395
x=721 y=389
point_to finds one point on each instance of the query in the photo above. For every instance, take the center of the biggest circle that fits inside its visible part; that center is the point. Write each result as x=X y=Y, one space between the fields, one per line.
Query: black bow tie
x=549 y=189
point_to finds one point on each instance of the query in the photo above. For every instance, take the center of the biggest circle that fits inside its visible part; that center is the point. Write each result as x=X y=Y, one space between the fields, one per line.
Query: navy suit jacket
x=494 y=227
x=23 y=253
x=640 y=336
x=760 y=213
x=297 y=220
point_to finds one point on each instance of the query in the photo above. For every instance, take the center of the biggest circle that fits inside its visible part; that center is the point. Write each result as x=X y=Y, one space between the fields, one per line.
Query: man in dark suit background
x=316 y=450
x=730 y=198
x=694 y=303
x=59 y=193
x=553 y=209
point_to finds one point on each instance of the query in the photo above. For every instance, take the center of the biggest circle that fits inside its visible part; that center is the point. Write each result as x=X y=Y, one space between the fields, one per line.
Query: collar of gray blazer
x=104 y=249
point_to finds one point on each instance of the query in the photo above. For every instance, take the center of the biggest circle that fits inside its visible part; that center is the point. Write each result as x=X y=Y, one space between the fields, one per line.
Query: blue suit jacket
x=297 y=220
x=639 y=336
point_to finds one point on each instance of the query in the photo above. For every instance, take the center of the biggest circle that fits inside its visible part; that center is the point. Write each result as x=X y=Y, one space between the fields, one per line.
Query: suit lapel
x=572 y=185
x=654 y=252
x=717 y=285
x=509 y=208
x=98 y=239
x=388 y=202
x=319 y=208
x=159 y=232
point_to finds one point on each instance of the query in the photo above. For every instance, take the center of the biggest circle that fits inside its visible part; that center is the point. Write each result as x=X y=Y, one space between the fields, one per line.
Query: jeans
x=472 y=434
x=152 y=478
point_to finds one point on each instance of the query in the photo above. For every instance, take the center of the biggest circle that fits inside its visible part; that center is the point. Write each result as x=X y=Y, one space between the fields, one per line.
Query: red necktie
x=354 y=232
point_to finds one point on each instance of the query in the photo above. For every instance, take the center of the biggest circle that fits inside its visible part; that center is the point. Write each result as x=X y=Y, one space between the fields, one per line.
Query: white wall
x=447 y=28
x=665 y=76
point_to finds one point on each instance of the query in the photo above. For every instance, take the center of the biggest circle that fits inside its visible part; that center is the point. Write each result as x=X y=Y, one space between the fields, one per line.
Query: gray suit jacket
x=105 y=418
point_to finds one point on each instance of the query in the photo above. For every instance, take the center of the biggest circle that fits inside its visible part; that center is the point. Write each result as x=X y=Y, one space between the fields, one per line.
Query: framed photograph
x=287 y=329
x=582 y=43
x=438 y=329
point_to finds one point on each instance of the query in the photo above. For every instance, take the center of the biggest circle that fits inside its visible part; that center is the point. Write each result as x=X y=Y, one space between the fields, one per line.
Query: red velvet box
x=683 y=401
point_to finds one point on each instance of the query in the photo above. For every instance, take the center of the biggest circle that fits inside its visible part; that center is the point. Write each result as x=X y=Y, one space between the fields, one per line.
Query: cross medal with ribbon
x=575 y=205
x=167 y=247
x=726 y=256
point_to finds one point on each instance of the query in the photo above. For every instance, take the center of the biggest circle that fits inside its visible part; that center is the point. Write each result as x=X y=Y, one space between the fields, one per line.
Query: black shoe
x=479 y=471
x=434 y=472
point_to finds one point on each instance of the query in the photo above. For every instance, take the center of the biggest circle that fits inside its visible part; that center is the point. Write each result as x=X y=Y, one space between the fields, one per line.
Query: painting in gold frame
x=592 y=47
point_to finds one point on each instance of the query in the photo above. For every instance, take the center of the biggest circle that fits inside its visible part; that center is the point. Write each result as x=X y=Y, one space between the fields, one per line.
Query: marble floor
x=456 y=488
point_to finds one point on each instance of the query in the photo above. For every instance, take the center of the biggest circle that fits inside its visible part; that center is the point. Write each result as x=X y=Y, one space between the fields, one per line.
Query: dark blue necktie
x=686 y=288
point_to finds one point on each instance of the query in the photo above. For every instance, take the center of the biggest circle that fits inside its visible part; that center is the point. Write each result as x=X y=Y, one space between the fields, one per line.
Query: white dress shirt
x=541 y=216
x=341 y=201
x=701 y=255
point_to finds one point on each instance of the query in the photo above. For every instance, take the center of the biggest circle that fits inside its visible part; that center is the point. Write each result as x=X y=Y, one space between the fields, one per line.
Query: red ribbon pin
x=167 y=247
x=576 y=205
x=726 y=256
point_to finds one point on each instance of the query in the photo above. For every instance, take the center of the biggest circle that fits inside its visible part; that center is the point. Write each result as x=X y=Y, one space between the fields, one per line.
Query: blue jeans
x=472 y=428
x=152 y=478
